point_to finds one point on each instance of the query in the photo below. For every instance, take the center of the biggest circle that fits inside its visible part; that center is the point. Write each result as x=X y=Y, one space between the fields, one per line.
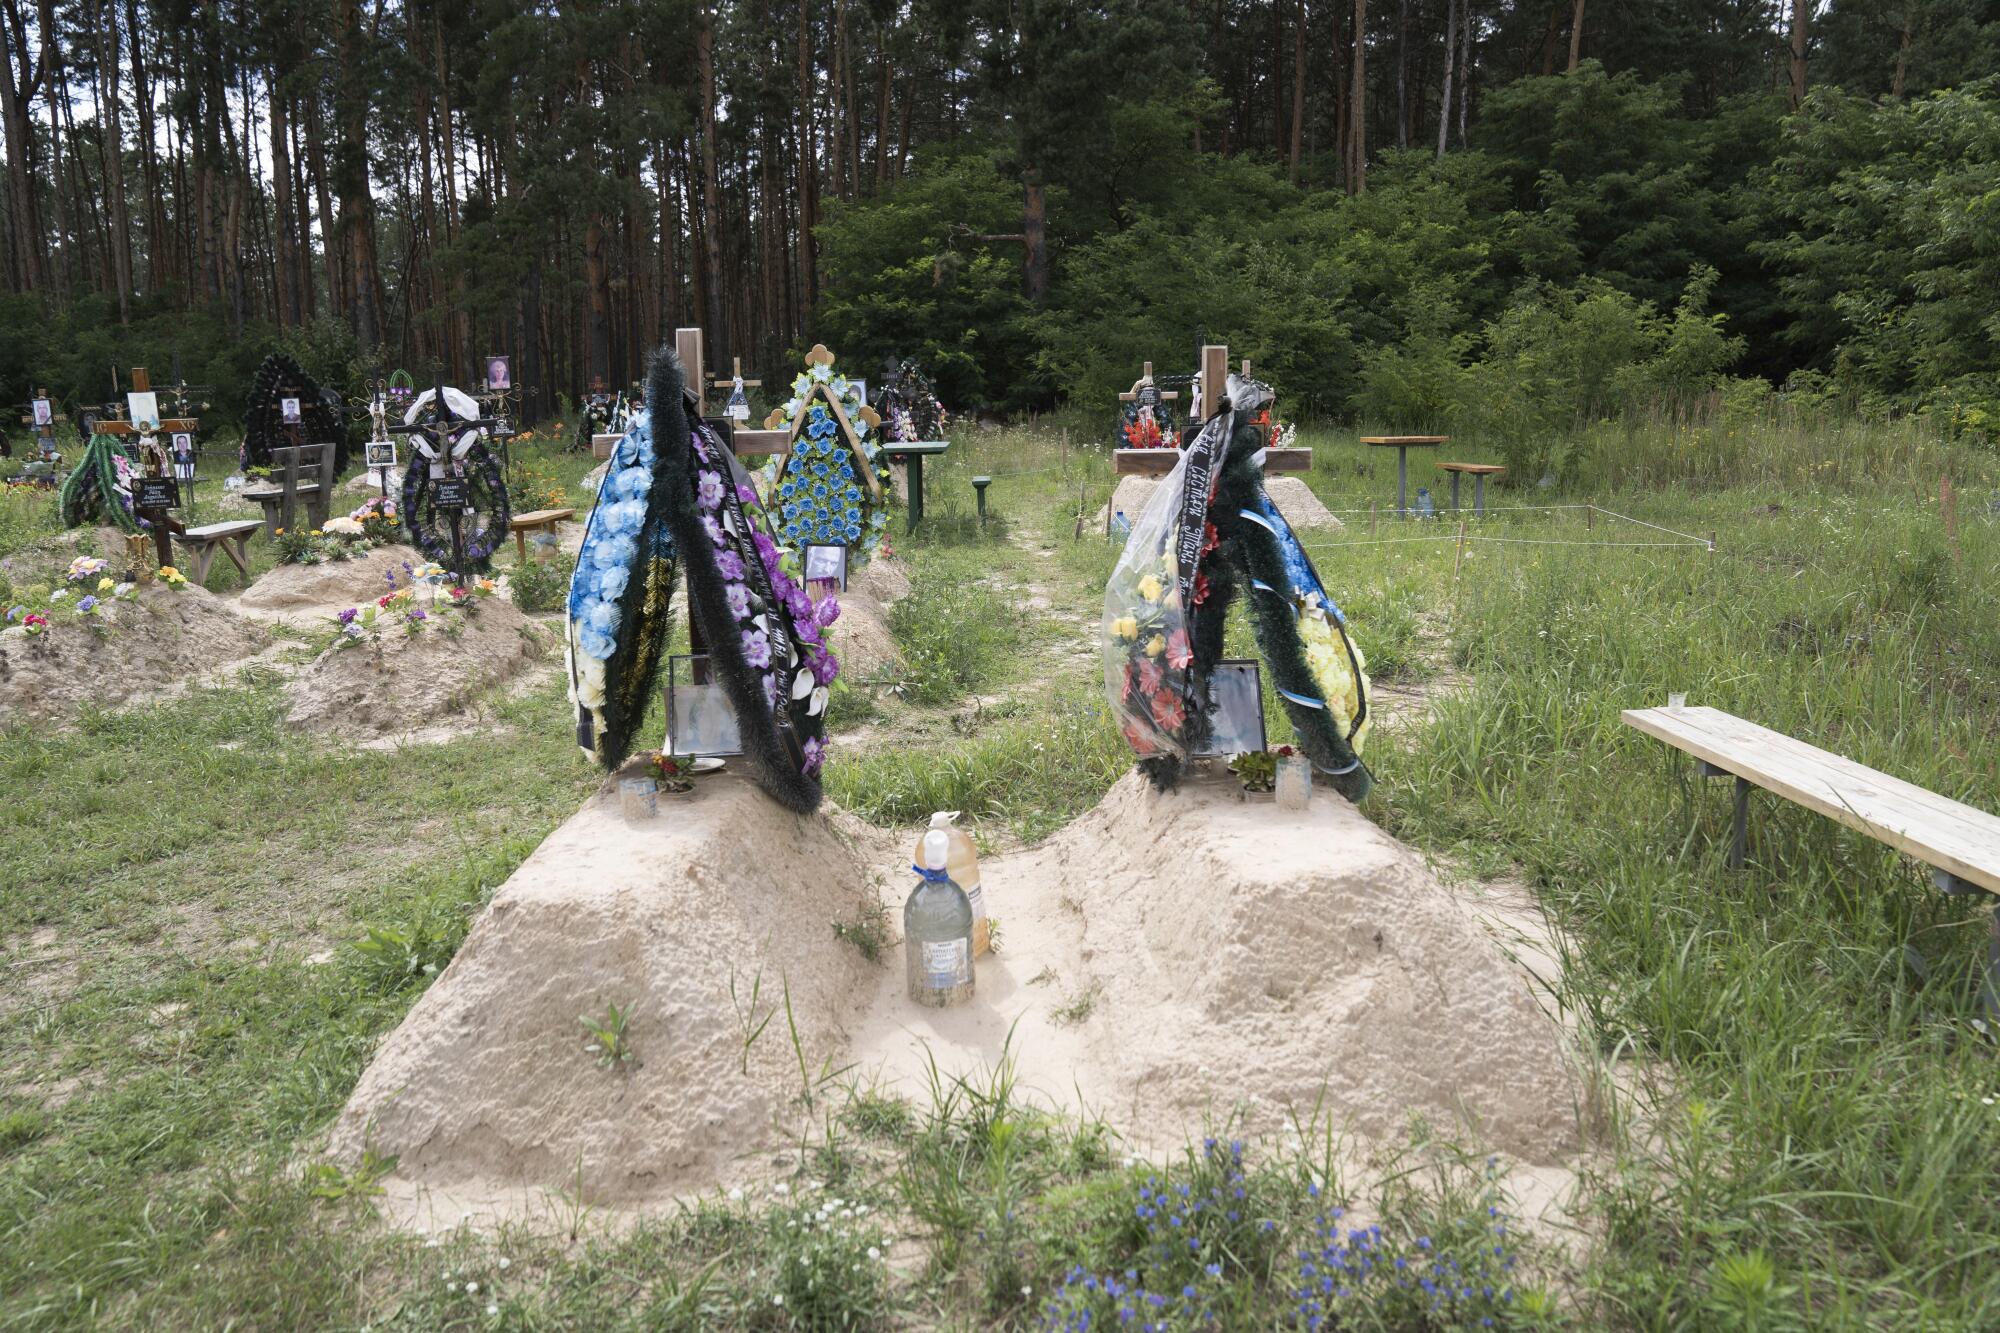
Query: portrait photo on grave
x=144 y=409
x=288 y=409
x=1237 y=689
x=45 y=412
x=498 y=375
x=700 y=719
x=826 y=569
x=381 y=453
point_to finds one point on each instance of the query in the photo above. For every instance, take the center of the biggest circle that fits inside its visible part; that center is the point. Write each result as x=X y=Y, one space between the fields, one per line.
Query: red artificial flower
x=385 y=599
x=1168 y=710
x=1150 y=677
x=1210 y=538
x=1200 y=588
x=1138 y=740
x=1179 y=654
x=1131 y=681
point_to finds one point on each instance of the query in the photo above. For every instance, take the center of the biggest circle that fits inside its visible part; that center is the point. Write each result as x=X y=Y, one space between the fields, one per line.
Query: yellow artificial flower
x=105 y=585
x=1149 y=588
x=1125 y=627
x=1155 y=646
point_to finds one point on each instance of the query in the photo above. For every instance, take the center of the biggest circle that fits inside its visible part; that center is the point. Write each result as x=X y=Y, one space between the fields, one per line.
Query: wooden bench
x=1959 y=843
x=1402 y=444
x=1479 y=472
x=230 y=538
x=305 y=473
x=523 y=524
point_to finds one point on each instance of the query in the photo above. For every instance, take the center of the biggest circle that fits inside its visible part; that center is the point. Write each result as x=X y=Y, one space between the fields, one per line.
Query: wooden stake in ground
x=1371 y=518
x=1590 y=518
x=1948 y=506
x=1081 y=492
x=1458 y=559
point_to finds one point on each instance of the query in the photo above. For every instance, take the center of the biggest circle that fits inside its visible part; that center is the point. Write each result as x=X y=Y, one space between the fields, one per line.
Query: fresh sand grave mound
x=1167 y=961
x=334 y=584
x=400 y=683
x=152 y=643
x=861 y=637
x=487 y=1085
x=1173 y=959
x=1295 y=500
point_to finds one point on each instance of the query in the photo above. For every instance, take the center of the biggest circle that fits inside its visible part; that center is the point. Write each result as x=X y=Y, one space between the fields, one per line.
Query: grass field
x=1814 y=1128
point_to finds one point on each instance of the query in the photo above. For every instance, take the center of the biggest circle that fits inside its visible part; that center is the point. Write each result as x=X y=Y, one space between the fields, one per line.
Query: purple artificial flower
x=798 y=602
x=347 y=617
x=86 y=604
x=418 y=613
x=825 y=666
x=745 y=494
x=729 y=565
x=774 y=689
x=766 y=548
x=827 y=611
x=756 y=648
x=738 y=598
x=14 y=613
x=708 y=489
x=815 y=757
x=806 y=631
x=714 y=530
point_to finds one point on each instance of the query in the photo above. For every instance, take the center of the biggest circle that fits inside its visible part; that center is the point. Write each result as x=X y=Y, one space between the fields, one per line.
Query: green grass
x=1807 y=1144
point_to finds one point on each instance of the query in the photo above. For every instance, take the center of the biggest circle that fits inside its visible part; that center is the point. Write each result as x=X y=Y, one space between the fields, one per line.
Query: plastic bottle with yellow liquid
x=963 y=862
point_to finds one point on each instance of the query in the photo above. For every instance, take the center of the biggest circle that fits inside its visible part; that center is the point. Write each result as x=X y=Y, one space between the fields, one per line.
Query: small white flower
x=781 y=1188
x=1027 y=1292
x=472 y=1288
x=778 y=1299
x=451 y=1286
x=492 y=1310
x=874 y=1253
x=736 y=1195
x=505 y=1263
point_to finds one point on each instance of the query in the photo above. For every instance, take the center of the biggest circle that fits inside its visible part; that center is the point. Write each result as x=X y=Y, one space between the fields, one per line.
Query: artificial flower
x=1179 y=653
x=105 y=585
x=1155 y=646
x=1168 y=710
x=172 y=577
x=1126 y=627
x=35 y=623
x=1150 y=588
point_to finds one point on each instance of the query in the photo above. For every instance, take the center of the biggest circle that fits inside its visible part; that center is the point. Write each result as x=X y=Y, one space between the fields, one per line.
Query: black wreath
x=264 y=429
x=485 y=525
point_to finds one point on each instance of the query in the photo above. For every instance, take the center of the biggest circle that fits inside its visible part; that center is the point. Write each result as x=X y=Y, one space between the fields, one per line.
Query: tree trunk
x=1403 y=74
x=882 y=112
x=1575 y=37
x=711 y=195
x=283 y=234
x=1034 y=237
x=355 y=230
x=1465 y=70
x=1903 y=50
x=1357 y=118
x=159 y=248
x=1801 y=19
x=110 y=62
x=56 y=85
x=17 y=91
x=1298 y=90
x=808 y=267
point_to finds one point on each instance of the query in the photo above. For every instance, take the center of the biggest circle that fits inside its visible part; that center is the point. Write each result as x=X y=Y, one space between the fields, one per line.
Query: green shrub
x=541 y=585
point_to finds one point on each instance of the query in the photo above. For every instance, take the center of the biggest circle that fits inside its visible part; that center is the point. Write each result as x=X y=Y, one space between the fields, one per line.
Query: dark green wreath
x=264 y=426
x=1249 y=554
x=91 y=494
x=485 y=526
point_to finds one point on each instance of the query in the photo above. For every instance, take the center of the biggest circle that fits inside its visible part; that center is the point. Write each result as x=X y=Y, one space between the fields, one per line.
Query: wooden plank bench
x=305 y=473
x=1959 y=843
x=230 y=538
x=1479 y=472
x=523 y=524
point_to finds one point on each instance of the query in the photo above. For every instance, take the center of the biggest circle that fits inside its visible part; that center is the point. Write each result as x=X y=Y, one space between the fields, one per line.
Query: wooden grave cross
x=1214 y=372
x=151 y=502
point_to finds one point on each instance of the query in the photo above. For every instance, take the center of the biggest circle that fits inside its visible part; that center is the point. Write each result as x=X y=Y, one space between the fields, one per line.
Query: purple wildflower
x=756 y=648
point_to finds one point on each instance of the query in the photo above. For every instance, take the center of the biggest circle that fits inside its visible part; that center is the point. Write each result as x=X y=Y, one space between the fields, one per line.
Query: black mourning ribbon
x=1204 y=463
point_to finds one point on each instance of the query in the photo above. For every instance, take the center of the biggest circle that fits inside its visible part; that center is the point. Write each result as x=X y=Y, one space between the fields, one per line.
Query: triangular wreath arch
x=832 y=487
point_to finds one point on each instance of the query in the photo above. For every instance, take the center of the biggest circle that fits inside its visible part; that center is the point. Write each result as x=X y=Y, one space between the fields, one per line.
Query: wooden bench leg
x=1739 y=834
x=521 y=543
x=1479 y=496
x=204 y=556
x=1454 y=492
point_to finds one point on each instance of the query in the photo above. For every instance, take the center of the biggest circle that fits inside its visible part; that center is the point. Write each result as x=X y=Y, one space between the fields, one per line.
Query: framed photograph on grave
x=288 y=408
x=144 y=409
x=1237 y=687
x=700 y=720
x=498 y=374
x=826 y=569
x=381 y=453
x=183 y=452
x=45 y=412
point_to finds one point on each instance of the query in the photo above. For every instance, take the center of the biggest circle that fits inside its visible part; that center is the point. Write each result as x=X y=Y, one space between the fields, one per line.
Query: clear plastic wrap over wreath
x=1144 y=635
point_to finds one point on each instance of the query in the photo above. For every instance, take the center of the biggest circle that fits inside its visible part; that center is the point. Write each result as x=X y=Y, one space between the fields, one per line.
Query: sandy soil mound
x=1268 y=959
x=151 y=644
x=487 y=1080
x=334 y=583
x=403 y=682
x=1271 y=963
x=861 y=638
x=1295 y=500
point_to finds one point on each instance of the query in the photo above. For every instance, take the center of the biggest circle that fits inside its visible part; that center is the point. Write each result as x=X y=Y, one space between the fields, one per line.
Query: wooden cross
x=1145 y=381
x=1214 y=384
x=747 y=443
x=156 y=463
x=736 y=373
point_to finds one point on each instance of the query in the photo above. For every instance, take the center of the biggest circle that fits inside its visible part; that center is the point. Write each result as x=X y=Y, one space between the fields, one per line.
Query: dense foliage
x=1432 y=212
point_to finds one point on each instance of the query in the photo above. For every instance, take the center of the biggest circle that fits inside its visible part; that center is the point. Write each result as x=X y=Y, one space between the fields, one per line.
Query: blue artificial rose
x=594 y=644
x=632 y=483
x=601 y=616
x=614 y=551
x=611 y=582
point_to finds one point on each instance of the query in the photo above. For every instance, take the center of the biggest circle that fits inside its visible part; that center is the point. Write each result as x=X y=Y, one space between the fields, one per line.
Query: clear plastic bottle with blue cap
x=937 y=930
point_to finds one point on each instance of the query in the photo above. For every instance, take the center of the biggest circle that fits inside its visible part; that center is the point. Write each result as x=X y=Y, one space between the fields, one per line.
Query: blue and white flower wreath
x=817 y=493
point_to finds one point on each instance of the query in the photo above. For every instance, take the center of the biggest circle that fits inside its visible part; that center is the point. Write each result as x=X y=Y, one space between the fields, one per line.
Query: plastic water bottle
x=937 y=931
x=1425 y=509
x=739 y=402
x=962 y=861
x=1121 y=526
